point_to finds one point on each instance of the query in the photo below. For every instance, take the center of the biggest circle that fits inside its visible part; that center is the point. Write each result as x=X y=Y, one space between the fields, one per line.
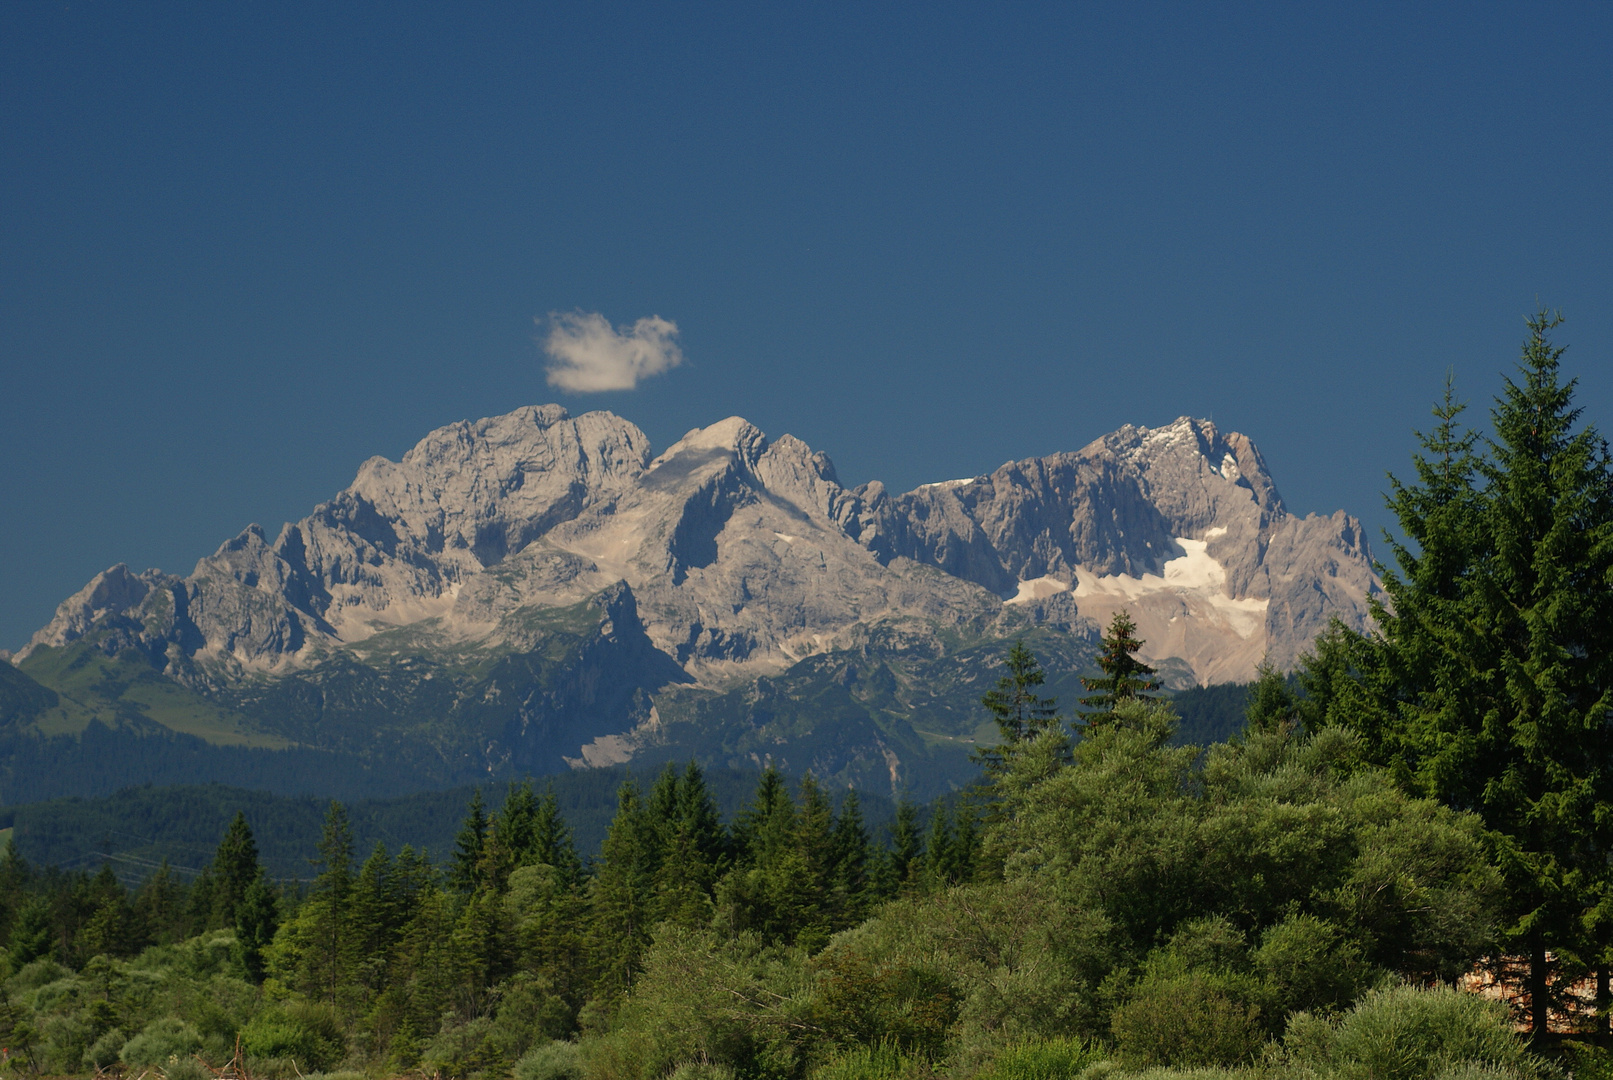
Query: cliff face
x=727 y=558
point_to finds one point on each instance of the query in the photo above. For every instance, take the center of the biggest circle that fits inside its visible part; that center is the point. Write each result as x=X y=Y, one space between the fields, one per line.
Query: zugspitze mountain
x=536 y=589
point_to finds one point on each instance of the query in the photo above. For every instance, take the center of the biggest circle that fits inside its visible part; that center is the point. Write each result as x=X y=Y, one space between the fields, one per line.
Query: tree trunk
x=1603 y=974
x=1539 y=1006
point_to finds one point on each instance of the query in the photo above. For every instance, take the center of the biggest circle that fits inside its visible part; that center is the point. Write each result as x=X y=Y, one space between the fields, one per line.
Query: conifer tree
x=907 y=849
x=1272 y=704
x=1489 y=682
x=325 y=960
x=160 y=906
x=374 y=917
x=235 y=868
x=853 y=863
x=623 y=892
x=1018 y=711
x=511 y=839
x=467 y=870
x=256 y=920
x=33 y=933
x=940 y=863
x=769 y=890
x=14 y=877
x=1124 y=676
x=552 y=843
x=691 y=843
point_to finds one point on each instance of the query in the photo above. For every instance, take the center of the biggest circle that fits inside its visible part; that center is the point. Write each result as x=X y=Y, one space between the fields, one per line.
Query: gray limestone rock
x=738 y=556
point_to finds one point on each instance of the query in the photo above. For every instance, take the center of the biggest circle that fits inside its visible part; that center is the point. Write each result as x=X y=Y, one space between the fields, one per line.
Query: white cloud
x=590 y=356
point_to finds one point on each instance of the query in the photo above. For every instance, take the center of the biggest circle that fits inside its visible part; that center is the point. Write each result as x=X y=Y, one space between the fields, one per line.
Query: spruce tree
x=1018 y=711
x=552 y=843
x=33 y=932
x=854 y=867
x=691 y=847
x=907 y=849
x=1272 y=703
x=1124 y=676
x=256 y=920
x=623 y=893
x=467 y=870
x=1489 y=682
x=235 y=868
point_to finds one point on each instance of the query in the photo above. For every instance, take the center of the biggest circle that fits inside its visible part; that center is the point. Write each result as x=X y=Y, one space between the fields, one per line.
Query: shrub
x=1042 y=1059
x=1405 y=1033
x=185 y=1068
x=32 y=976
x=701 y=1070
x=883 y=1061
x=551 y=1061
x=1190 y=1020
x=103 y=1052
x=160 y=1040
x=1587 y=1061
x=309 y=1035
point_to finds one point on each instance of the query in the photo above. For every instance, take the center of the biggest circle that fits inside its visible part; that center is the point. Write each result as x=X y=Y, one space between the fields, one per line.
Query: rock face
x=735 y=557
x=1181 y=525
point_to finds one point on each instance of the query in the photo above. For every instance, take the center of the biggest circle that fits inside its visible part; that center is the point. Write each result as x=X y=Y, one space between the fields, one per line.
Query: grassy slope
x=125 y=690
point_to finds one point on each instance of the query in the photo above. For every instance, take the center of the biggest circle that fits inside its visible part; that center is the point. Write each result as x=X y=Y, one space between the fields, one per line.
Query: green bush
x=551 y=1061
x=103 y=1052
x=309 y=1035
x=160 y=1040
x=883 y=1061
x=1587 y=1061
x=1405 y=1033
x=185 y=1068
x=1042 y=1059
x=1188 y=1020
x=32 y=976
x=701 y=1070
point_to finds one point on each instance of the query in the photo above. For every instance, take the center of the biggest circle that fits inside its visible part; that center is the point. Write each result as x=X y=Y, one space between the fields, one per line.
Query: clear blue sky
x=245 y=246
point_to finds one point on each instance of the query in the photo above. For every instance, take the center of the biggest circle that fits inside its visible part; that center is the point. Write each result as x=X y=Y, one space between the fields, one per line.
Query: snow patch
x=786 y=537
x=1211 y=534
x=1038 y=589
x=947 y=484
x=1194 y=576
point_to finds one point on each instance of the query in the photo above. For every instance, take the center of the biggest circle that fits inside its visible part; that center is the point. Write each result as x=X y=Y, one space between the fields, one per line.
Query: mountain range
x=536 y=590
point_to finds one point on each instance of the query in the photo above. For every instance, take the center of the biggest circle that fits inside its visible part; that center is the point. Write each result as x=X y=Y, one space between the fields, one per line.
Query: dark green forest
x=1414 y=811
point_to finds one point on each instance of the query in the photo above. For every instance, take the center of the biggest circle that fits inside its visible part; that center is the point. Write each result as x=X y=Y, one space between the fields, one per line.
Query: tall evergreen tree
x=1124 y=676
x=907 y=849
x=1018 y=711
x=691 y=843
x=467 y=870
x=160 y=906
x=256 y=920
x=552 y=842
x=235 y=868
x=1489 y=682
x=623 y=892
x=854 y=868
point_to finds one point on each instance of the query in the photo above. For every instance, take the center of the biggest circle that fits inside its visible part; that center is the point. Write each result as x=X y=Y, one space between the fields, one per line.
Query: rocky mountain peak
x=743 y=554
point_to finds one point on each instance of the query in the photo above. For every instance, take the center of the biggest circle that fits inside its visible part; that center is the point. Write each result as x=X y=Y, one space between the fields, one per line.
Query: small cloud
x=590 y=356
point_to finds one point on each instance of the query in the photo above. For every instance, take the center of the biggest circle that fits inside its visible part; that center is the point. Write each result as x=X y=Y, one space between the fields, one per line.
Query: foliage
x=1124 y=677
x=1488 y=683
x=1404 y=1033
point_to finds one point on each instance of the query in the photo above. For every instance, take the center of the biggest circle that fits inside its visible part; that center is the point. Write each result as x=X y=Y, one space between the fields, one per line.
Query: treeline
x=138 y=828
x=516 y=916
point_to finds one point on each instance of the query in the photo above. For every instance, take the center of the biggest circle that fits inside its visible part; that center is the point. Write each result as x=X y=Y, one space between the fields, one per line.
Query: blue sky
x=245 y=246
